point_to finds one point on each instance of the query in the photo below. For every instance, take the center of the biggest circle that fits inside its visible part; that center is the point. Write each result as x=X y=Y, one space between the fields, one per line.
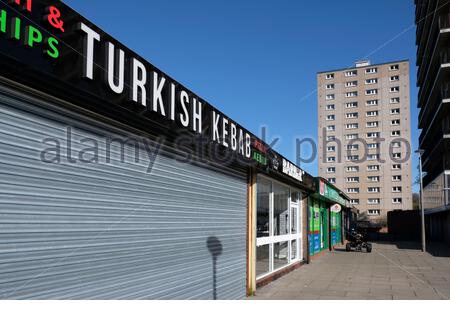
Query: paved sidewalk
x=391 y=271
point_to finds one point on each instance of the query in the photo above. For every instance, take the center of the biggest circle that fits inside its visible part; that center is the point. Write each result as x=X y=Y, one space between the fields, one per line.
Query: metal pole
x=421 y=204
x=308 y=254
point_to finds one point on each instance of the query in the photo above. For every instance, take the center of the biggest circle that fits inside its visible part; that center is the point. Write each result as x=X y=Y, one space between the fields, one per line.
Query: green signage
x=330 y=193
x=259 y=158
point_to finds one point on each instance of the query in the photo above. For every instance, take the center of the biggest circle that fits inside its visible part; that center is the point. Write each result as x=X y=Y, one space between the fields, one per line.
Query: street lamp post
x=420 y=153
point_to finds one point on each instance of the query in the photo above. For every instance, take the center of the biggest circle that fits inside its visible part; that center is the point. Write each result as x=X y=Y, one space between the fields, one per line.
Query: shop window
x=294 y=250
x=295 y=196
x=447 y=190
x=280 y=210
x=280 y=255
x=262 y=259
x=263 y=204
x=294 y=220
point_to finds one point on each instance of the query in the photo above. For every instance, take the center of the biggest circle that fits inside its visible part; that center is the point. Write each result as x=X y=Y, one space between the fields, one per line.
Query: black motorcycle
x=358 y=241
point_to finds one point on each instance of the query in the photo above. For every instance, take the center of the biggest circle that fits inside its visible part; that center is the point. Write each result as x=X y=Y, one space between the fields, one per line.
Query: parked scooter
x=358 y=241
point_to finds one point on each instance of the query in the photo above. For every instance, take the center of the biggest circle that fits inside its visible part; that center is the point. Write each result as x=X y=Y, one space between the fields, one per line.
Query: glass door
x=263 y=229
x=278 y=227
x=295 y=225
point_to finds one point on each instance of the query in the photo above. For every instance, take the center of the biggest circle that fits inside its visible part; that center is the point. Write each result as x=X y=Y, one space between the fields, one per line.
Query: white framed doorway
x=278 y=226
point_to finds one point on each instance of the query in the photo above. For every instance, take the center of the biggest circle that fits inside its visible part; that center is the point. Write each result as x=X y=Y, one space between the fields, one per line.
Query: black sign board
x=49 y=46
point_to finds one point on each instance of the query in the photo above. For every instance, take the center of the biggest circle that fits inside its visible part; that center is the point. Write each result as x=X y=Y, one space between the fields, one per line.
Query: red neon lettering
x=54 y=18
x=28 y=5
x=260 y=146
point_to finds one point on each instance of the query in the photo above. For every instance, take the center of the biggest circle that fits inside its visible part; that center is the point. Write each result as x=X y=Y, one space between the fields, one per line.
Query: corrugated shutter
x=110 y=230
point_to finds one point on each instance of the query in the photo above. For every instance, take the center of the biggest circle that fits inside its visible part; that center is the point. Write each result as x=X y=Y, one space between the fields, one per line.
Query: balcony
x=419 y=6
x=426 y=22
x=437 y=190
x=436 y=90
x=434 y=131
x=432 y=162
x=440 y=40
x=436 y=158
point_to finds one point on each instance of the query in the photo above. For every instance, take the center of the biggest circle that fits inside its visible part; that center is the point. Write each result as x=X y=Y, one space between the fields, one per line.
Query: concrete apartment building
x=365 y=133
x=433 y=79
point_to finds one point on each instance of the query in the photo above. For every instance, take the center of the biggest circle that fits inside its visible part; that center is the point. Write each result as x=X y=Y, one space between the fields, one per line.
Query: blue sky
x=256 y=60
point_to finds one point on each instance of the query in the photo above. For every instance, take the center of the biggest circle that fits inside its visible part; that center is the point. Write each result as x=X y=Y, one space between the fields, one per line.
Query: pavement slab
x=388 y=273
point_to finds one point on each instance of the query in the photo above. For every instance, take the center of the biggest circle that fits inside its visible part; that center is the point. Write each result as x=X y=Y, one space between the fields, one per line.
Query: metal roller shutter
x=110 y=230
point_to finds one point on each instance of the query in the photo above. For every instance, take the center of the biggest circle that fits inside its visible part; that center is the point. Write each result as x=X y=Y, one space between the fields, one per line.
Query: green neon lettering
x=3 y=21
x=15 y=24
x=33 y=36
x=53 y=52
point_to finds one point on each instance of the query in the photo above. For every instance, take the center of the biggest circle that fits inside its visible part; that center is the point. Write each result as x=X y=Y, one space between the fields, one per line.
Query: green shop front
x=325 y=217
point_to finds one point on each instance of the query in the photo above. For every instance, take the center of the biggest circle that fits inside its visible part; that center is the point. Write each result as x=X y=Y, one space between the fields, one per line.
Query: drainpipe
x=330 y=248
